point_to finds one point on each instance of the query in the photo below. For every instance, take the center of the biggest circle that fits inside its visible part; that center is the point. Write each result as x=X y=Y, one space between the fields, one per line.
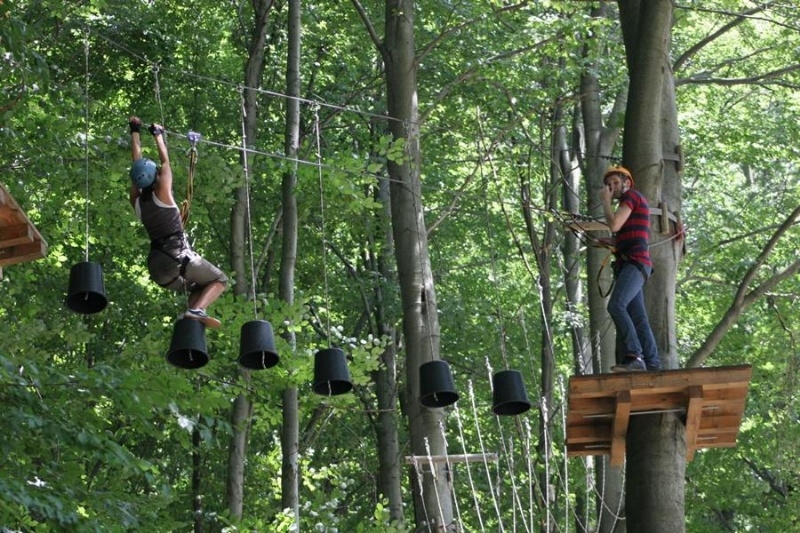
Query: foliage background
x=101 y=432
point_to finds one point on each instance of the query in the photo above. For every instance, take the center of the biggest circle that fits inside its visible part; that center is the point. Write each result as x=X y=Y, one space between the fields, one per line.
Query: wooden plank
x=664 y=381
x=22 y=253
x=13 y=234
x=722 y=400
x=693 y=413
x=587 y=225
x=719 y=424
x=454 y=458
x=619 y=427
x=711 y=401
x=20 y=241
x=663 y=219
x=589 y=433
x=587 y=449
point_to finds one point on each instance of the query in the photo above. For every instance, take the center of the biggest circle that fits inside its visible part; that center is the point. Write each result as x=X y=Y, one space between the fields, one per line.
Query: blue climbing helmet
x=143 y=173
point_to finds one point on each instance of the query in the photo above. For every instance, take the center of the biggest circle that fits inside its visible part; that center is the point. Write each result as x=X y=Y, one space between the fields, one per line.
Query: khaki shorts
x=186 y=270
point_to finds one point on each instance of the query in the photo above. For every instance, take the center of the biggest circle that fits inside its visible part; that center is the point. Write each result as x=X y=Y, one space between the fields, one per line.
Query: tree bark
x=389 y=459
x=434 y=507
x=600 y=139
x=242 y=409
x=656 y=449
x=290 y=431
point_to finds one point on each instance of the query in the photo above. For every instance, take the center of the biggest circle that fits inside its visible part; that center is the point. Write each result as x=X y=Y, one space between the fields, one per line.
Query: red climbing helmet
x=618 y=169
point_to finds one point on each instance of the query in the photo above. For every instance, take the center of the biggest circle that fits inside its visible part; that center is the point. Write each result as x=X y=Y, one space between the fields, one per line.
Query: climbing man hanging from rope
x=632 y=266
x=171 y=261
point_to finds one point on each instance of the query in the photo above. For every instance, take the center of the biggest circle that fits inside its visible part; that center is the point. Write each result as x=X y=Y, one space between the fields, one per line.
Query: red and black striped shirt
x=632 y=238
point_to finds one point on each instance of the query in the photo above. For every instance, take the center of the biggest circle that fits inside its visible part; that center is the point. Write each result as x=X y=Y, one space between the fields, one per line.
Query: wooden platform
x=712 y=400
x=20 y=241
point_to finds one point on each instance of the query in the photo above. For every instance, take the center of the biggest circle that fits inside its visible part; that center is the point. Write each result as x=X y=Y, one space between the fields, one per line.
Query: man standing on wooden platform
x=632 y=266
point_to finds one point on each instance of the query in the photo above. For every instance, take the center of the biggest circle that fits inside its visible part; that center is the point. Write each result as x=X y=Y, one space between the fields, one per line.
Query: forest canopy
x=102 y=434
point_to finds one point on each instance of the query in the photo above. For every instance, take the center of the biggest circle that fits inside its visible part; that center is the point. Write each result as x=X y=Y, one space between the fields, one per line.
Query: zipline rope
x=338 y=108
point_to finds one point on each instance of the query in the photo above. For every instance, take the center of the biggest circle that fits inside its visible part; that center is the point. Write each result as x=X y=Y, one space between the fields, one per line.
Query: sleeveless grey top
x=162 y=221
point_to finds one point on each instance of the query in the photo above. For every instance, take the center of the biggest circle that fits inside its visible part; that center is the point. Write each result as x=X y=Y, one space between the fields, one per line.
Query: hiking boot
x=200 y=314
x=631 y=364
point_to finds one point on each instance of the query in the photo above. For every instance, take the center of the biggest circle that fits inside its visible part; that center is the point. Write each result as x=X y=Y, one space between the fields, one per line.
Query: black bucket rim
x=504 y=403
x=89 y=296
x=189 y=363
x=441 y=397
x=339 y=384
x=260 y=358
x=189 y=357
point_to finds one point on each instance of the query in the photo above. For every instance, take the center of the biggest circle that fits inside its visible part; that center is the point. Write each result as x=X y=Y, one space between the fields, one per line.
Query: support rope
x=315 y=108
x=248 y=221
x=473 y=489
x=186 y=204
x=485 y=461
x=86 y=142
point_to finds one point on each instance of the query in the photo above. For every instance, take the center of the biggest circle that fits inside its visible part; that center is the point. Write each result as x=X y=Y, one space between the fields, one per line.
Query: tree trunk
x=542 y=247
x=434 y=507
x=656 y=449
x=389 y=459
x=600 y=140
x=197 y=478
x=242 y=409
x=290 y=431
x=240 y=425
x=655 y=474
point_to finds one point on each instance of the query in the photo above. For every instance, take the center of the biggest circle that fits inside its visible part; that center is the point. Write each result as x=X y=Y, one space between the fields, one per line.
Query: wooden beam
x=664 y=218
x=455 y=458
x=20 y=241
x=619 y=427
x=22 y=253
x=14 y=234
x=665 y=381
x=693 y=413
x=587 y=225
x=712 y=400
x=589 y=433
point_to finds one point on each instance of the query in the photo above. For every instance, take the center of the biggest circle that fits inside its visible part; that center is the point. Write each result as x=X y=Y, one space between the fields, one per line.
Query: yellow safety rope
x=186 y=204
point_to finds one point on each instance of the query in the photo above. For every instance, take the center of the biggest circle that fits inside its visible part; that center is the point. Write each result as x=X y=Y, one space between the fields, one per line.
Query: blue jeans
x=626 y=308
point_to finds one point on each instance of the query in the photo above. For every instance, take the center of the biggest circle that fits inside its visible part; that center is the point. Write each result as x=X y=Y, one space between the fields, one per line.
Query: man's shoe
x=199 y=314
x=631 y=364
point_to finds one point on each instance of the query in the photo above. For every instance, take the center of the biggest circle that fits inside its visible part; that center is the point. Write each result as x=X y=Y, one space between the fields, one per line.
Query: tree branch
x=692 y=51
x=744 y=299
x=751 y=80
x=373 y=35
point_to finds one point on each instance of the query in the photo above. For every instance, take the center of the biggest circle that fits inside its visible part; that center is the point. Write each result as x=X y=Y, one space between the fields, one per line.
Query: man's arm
x=615 y=220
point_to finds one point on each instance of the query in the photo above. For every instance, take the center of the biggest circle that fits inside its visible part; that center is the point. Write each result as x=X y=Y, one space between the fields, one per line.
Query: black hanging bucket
x=510 y=397
x=188 y=346
x=87 y=293
x=331 y=376
x=436 y=387
x=257 y=345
